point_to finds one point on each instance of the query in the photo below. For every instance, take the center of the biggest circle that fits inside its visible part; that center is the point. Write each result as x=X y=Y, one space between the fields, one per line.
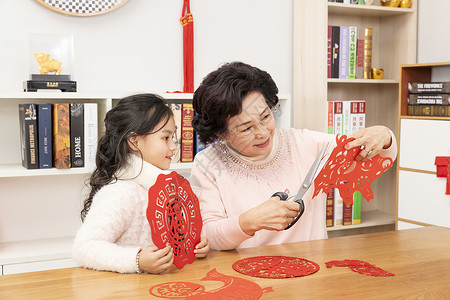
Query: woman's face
x=251 y=132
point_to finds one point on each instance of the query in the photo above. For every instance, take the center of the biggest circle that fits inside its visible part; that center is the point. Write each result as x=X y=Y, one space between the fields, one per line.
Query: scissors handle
x=283 y=197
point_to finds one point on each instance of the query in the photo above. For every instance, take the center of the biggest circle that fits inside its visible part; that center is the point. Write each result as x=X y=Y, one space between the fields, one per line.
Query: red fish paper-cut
x=343 y=172
x=173 y=213
x=360 y=267
x=234 y=288
x=275 y=266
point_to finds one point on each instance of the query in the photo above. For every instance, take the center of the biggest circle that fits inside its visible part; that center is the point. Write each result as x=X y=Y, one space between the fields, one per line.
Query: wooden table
x=419 y=258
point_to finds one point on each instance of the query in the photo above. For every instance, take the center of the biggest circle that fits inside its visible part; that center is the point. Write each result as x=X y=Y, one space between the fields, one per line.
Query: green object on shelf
x=362 y=2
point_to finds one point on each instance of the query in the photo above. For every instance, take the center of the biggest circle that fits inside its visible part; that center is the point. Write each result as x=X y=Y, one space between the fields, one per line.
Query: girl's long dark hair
x=135 y=115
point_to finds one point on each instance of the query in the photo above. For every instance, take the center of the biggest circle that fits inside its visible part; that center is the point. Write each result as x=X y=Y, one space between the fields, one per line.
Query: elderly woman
x=249 y=159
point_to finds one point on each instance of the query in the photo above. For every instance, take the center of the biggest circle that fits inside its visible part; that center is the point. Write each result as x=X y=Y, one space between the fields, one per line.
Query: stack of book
x=60 y=135
x=429 y=99
x=186 y=139
x=349 y=52
x=344 y=118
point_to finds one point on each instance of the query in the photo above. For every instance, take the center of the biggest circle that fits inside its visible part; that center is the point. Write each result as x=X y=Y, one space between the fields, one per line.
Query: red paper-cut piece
x=187 y=21
x=360 y=267
x=234 y=288
x=275 y=266
x=173 y=213
x=343 y=172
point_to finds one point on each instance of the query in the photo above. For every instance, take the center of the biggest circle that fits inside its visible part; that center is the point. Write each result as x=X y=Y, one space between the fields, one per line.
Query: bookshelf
x=40 y=209
x=394 y=43
x=421 y=199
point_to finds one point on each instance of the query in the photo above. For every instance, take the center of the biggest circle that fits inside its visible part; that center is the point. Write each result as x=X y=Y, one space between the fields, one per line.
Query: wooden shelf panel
x=369 y=219
x=363 y=81
x=366 y=10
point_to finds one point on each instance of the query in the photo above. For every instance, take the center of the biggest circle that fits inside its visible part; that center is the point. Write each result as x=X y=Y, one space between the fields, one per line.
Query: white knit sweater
x=116 y=225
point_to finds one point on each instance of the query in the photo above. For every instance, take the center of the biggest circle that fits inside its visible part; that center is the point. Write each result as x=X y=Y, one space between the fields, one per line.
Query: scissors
x=309 y=179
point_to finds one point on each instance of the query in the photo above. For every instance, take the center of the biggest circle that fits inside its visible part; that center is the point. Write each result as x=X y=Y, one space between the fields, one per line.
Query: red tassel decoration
x=188 y=47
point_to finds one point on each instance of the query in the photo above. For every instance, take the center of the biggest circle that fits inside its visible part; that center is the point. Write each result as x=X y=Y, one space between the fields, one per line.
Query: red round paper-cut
x=173 y=213
x=275 y=266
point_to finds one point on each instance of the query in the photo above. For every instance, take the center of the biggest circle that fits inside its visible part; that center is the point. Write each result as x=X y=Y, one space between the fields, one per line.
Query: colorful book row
x=60 y=135
x=344 y=118
x=349 y=52
x=429 y=99
x=185 y=138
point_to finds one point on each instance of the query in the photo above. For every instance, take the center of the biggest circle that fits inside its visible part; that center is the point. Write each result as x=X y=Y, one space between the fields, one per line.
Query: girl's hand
x=270 y=215
x=154 y=260
x=202 y=248
x=373 y=139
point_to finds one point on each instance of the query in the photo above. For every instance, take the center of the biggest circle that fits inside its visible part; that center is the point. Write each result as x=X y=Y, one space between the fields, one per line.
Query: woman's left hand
x=373 y=139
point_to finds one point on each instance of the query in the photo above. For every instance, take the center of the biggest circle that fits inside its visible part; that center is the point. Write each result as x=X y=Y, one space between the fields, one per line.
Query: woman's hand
x=270 y=215
x=202 y=248
x=154 y=260
x=373 y=139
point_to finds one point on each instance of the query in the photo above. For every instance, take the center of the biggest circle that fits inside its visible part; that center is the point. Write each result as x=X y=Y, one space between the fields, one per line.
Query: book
x=44 y=120
x=429 y=87
x=343 y=55
x=199 y=145
x=431 y=99
x=361 y=114
x=176 y=110
x=90 y=134
x=330 y=117
x=347 y=214
x=335 y=52
x=360 y=54
x=61 y=135
x=429 y=110
x=338 y=208
x=368 y=34
x=77 y=135
x=354 y=116
x=338 y=117
x=29 y=135
x=187 y=133
x=352 y=52
x=329 y=50
x=346 y=118
x=330 y=208
x=357 y=197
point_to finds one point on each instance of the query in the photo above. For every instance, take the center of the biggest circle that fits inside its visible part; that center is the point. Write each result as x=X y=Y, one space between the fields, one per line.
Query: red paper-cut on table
x=343 y=172
x=173 y=213
x=234 y=288
x=360 y=267
x=275 y=266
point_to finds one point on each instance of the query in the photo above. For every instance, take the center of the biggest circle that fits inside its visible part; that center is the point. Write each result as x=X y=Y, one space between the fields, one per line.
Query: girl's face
x=251 y=132
x=157 y=148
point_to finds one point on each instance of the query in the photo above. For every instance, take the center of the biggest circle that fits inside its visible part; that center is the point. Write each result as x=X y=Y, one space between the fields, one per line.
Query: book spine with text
x=429 y=110
x=330 y=208
x=430 y=99
x=176 y=110
x=357 y=197
x=347 y=214
x=354 y=116
x=335 y=53
x=343 y=56
x=77 y=135
x=338 y=117
x=346 y=118
x=338 y=208
x=90 y=134
x=61 y=135
x=329 y=50
x=429 y=87
x=368 y=35
x=44 y=118
x=187 y=133
x=330 y=117
x=352 y=51
x=29 y=136
x=360 y=54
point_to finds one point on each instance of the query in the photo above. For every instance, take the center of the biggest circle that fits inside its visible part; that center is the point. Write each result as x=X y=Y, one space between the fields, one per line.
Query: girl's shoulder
x=119 y=190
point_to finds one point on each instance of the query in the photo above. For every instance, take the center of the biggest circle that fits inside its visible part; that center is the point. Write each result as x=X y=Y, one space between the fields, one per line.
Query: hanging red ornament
x=188 y=47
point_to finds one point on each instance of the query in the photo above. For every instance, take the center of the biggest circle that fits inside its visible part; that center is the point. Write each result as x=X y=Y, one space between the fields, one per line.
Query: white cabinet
x=40 y=209
x=421 y=198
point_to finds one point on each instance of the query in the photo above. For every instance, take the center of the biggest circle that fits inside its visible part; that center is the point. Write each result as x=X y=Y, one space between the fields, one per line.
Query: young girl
x=136 y=147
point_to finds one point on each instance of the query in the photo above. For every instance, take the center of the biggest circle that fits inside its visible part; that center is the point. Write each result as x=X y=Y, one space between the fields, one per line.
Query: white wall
x=433 y=39
x=138 y=47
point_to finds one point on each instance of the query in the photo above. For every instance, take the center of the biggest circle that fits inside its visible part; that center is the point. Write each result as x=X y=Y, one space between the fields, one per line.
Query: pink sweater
x=227 y=186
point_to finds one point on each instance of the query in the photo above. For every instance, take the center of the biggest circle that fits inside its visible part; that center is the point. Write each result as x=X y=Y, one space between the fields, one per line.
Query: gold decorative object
x=406 y=4
x=377 y=73
x=391 y=3
x=48 y=65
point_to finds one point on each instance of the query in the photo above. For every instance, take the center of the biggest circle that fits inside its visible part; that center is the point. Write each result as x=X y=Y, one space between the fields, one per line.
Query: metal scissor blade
x=311 y=174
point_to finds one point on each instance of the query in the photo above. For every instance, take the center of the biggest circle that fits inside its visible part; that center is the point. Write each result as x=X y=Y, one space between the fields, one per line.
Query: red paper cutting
x=275 y=266
x=234 y=288
x=360 y=267
x=343 y=172
x=173 y=213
